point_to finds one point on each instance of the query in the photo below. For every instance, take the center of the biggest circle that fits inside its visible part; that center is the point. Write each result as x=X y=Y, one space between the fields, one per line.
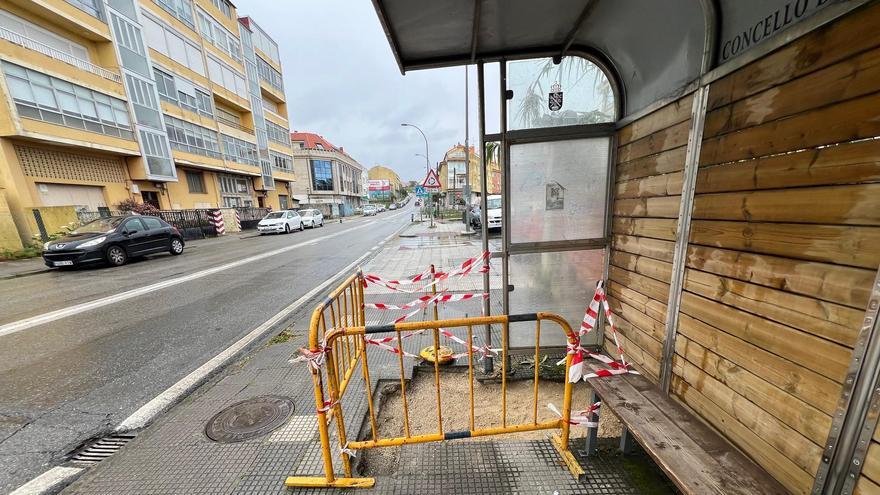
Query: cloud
x=342 y=82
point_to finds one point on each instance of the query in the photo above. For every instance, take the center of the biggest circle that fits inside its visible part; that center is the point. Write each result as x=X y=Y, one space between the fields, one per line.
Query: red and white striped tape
x=422 y=300
x=392 y=349
x=466 y=268
x=578 y=353
x=583 y=418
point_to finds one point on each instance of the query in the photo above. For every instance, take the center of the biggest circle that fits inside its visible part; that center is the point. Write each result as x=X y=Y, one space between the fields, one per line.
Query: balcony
x=67 y=58
x=235 y=125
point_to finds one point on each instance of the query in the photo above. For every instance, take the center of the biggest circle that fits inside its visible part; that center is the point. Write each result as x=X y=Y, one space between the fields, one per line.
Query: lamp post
x=427 y=165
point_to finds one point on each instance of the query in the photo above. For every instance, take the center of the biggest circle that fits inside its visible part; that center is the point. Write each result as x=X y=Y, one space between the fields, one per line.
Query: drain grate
x=101 y=449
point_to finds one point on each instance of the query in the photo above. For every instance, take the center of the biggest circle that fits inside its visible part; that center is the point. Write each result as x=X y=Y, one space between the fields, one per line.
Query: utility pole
x=467 y=152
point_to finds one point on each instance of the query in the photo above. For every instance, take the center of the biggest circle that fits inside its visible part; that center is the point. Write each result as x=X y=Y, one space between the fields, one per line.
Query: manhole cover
x=249 y=418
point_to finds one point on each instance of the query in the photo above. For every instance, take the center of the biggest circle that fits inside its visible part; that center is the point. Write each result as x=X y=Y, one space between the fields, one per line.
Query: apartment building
x=388 y=179
x=330 y=179
x=178 y=103
x=453 y=173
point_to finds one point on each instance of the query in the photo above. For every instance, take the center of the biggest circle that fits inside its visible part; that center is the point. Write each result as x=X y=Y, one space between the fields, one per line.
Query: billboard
x=379 y=185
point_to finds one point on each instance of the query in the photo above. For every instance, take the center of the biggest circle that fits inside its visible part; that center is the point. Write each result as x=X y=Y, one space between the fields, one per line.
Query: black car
x=114 y=240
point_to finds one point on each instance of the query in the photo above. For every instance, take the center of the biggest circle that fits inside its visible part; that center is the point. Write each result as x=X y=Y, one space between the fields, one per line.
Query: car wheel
x=302 y=226
x=116 y=256
x=176 y=246
x=287 y=228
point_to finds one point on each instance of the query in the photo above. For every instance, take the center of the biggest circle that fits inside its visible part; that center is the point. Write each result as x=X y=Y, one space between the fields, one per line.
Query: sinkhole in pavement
x=249 y=418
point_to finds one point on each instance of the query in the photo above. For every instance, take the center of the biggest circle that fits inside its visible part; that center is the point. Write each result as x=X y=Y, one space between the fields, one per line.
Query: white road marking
x=48 y=482
x=166 y=399
x=51 y=316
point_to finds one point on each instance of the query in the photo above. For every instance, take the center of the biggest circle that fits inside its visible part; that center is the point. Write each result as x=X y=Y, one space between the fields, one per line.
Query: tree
x=533 y=111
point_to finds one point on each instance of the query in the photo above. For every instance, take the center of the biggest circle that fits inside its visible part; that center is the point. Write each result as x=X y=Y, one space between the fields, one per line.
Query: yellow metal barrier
x=343 y=345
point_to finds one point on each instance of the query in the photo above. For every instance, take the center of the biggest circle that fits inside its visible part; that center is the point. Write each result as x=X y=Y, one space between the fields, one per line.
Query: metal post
x=484 y=227
x=505 y=191
x=591 y=441
x=855 y=418
x=467 y=150
x=679 y=258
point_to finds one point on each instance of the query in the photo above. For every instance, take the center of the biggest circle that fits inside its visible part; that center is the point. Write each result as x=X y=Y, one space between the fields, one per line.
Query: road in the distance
x=76 y=377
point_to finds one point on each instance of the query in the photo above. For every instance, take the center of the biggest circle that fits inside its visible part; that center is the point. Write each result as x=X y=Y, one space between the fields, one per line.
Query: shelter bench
x=693 y=455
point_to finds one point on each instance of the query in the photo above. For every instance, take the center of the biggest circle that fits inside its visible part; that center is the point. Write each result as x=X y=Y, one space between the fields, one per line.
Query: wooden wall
x=784 y=247
x=647 y=194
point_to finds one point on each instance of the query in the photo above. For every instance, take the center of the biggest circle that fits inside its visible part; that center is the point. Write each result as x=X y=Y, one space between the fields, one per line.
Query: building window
x=282 y=201
x=173 y=44
x=240 y=151
x=41 y=97
x=322 y=175
x=182 y=9
x=192 y=138
x=91 y=7
x=224 y=7
x=281 y=161
x=131 y=45
x=182 y=93
x=264 y=43
x=277 y=133
x=319 y=146
x=196 y=182
x=270 y=105
x=218 y=36
x=269 y=74
x=158 y=156
x=224 y=75
x=50 y=40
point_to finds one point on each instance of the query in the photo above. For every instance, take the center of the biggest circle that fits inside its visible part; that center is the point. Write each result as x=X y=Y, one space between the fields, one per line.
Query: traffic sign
x=420 y=192
x=431 y=182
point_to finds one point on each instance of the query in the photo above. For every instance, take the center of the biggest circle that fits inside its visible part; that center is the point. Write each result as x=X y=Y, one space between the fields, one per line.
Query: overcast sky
x=342 y=82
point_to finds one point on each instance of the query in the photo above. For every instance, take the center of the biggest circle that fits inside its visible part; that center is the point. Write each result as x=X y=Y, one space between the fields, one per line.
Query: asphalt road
x=69 y=379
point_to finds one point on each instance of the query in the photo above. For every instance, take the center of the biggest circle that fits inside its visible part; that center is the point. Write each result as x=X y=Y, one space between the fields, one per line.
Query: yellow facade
x=55 y=157
x=452 y=183
x=379 y=173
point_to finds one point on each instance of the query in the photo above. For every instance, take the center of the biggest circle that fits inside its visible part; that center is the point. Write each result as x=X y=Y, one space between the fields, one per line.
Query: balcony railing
x=235 y=125
x=67 y=58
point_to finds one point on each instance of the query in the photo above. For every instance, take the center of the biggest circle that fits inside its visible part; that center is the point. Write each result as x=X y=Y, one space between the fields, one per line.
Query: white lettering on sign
x=765 y=27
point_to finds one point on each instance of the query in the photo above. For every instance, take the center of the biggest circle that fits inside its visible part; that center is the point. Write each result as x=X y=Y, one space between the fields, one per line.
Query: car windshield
x=275 y=214
x=493 y=203
x=101 y=225
x=305 y=213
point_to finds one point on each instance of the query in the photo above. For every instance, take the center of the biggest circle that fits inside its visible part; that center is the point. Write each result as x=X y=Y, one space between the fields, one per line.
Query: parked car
x=285 y=221
x=472 y=216
x=392 y=206
x=493 y=211
x=113 y=240
x=358 y=210
x=370 y=210
x=381 y=208
x=312 y=218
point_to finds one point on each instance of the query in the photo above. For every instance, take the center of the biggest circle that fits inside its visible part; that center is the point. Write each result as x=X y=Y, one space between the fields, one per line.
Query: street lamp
x=427 y=164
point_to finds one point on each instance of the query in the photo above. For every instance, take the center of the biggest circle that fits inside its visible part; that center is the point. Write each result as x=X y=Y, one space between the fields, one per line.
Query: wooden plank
x=635 y=335
x=847 y=79
x=871 y=467
x=671 y=114
x=656 y=228
x=811 y=422
x=655 y=185
x=848 y=121
x=787 y=441
x=650 y=287
x=649 y=267
x=644 y=363
x=677 y=450
x=662 y=207
x=644 y=246
x=630 y=316
x=866 y=487
x=661 y=163
x=857 y=204
x=844 y=245
x=846 y=163
x=802 y=382
x=829 y=44
x=826 y=358
x=830 y=321
x=834 y=283
x=666 y=139
x=641 y=302
x=788 y=473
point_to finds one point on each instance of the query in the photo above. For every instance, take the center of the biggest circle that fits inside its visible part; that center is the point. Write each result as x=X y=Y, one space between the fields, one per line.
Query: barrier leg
x=560 y=441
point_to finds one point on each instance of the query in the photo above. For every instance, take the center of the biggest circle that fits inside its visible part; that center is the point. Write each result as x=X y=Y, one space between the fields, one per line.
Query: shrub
x=135 y=207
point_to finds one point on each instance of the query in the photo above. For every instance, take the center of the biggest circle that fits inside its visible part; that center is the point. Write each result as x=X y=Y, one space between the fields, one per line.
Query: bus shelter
x=716 y=162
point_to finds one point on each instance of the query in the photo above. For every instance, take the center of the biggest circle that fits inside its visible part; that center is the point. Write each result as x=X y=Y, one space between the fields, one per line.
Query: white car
x=312 y=218
x=283 y=221
x=493 y=211
x=370 y=210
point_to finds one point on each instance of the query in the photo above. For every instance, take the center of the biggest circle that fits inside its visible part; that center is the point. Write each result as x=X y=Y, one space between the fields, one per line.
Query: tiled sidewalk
x=174 y=455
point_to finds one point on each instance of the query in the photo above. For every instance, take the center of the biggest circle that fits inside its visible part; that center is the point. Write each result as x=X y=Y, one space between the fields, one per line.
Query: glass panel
x=586 y=96
x=558 y=190
x=559 y=282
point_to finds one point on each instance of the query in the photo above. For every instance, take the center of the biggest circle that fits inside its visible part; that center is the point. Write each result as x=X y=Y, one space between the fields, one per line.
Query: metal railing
x=234 y=125
x=67 y=58
x=338 y=339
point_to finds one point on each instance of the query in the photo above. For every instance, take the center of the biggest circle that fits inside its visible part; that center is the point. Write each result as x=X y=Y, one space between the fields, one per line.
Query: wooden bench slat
x=694 y=456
